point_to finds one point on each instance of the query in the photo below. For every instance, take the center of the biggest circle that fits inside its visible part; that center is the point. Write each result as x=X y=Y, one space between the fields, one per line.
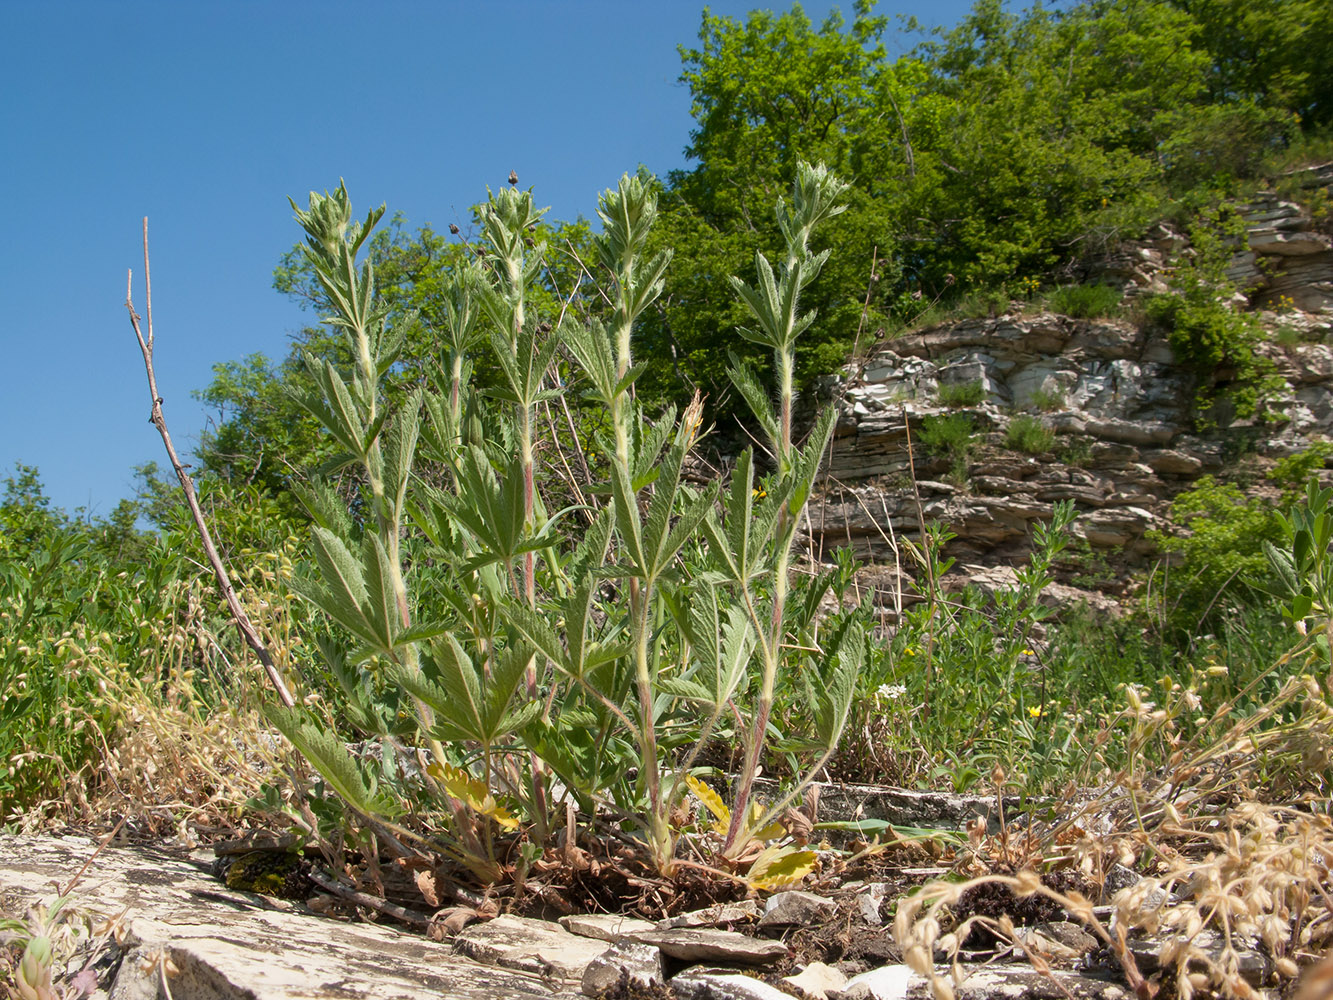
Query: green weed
x=1028 y=434
x=957 y=395
x=1084 y=301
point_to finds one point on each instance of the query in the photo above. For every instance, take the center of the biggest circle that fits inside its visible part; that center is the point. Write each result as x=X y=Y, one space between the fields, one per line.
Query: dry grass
x=182 y=749
x=1233 y=840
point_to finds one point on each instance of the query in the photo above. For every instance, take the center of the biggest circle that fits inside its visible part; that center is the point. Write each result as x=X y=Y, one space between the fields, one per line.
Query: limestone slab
x=535 y=946
x=604 y=926
x=705 y=945
x=225 y=944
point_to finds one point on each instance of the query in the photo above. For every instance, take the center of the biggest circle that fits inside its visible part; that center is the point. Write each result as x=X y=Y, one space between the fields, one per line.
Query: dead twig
x=243 y=624
x=376 y=903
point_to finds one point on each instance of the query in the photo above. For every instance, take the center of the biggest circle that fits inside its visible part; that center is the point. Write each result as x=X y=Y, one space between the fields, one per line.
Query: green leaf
x=328 y=755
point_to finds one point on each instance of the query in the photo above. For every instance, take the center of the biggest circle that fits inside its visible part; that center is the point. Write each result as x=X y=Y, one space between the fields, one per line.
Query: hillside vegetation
x=479 y=521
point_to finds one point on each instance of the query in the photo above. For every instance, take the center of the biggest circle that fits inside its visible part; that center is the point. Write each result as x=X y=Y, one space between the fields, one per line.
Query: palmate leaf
x=400 y=450
x=381 y=606
x=341 y=590
x=648 y=449
x=490 y=510
x=833 y=703
x=721 y=643
x=806 y=462
x=335 y=408
x=741 y=547
x=648 y=283
x=592 y=349
x=624 y=502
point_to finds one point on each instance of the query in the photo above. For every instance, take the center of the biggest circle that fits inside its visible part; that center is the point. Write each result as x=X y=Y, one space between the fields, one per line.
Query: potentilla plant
x=600 y=645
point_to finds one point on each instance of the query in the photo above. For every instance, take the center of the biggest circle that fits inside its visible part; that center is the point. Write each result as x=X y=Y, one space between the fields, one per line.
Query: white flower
x=891 y=691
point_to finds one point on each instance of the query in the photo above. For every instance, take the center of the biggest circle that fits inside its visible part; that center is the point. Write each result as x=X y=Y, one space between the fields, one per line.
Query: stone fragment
x=743 y=912
x=818 y=980
x=723 y=984
x=603 y=926
x=641 y=963
x=1119 y=877
x=1253 y=966
x=1172 y=463
x=705 y=945
x=868 y=901
x=530 y=945
x=796 y=908
x=1060 y=940
x=888 y=983
x=992 y=982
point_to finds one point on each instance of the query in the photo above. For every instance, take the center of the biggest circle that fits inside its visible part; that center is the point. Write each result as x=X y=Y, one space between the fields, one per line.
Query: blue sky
x=205 y=117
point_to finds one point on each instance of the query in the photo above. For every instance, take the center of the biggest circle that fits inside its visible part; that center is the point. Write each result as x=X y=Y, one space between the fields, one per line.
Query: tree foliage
x=1005 y=149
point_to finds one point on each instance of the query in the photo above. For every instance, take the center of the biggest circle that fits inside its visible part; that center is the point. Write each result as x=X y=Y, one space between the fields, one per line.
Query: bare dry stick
x=243 y=624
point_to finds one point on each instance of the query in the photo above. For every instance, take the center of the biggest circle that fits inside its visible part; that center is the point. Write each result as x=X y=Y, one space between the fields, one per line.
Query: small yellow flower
x=1035 y=712
x=1028 y=652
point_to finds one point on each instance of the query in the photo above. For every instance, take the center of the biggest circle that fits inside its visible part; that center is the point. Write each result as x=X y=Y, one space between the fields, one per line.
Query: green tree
x=26 y=515
x=1273 y=55
x=767 y=93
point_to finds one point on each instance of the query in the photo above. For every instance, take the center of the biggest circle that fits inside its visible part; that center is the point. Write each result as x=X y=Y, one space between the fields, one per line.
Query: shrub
x=1048 y=400
x=958 y=394
x=1028 y=434
x=949 y=436
x=1208 y=337
x=1077 y=451
x=984 y=303
x=1084 y=301
x=946 y=435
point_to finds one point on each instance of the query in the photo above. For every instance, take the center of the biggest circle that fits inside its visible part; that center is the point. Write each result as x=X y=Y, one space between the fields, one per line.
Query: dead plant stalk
x=242 y=620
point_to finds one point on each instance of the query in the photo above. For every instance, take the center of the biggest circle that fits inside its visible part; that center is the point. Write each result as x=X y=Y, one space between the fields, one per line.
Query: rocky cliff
x=1120 y=406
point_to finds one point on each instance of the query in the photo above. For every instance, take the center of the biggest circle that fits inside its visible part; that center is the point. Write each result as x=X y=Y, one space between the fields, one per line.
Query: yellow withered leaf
x=773 y=831
x=777 y=866
x=472 y=793
x=712 y=802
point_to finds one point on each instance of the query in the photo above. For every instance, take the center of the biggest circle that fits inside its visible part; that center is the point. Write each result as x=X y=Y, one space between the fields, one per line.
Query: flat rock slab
x=743 y=912
x=702 y=945
x=995 y=982
x=232 y=945
x=640 y=964
x=722 y=984
x=530 y=945
x=788 y=909
x=604 y=926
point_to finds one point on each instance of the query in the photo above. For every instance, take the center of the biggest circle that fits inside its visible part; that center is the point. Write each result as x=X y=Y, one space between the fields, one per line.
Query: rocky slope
x=1119 y=403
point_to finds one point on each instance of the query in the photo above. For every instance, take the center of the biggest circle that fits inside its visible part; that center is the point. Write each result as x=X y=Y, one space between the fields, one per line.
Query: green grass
x=1048 y=400
x=1084 y=301
x=1028 y=434
x=959 y=394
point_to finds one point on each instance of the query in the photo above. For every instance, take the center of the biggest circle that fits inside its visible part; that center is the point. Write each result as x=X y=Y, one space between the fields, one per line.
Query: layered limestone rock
x=1110 y=390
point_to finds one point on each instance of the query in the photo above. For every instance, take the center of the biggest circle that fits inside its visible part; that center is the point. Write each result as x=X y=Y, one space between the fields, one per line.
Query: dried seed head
x=513 y=178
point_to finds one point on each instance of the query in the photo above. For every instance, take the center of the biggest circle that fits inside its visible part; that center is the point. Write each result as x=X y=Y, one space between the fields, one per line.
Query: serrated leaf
x=329 y=756
x=773 y=831
x=471 y=793
x=712 y=802
x=778 y=866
